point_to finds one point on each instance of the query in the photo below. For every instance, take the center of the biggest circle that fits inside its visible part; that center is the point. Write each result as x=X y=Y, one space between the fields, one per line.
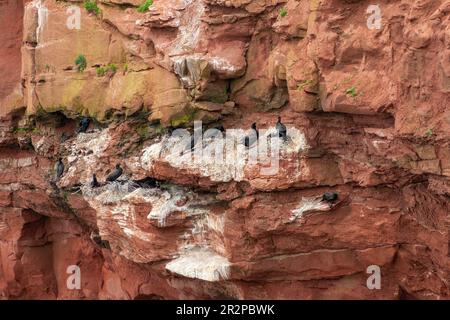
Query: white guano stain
x=221 y=160
x=308 y=204
x=200 y=262
x=42 y=13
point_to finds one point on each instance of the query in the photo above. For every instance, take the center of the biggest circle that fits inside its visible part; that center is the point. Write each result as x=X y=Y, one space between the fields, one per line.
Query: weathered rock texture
x=367 y=112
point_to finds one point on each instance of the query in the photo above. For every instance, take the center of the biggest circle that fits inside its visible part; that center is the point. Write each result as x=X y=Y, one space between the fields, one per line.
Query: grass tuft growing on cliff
x=143 y=131
x=183 y=120
x=282 y=12
x=351 y=92
x=26 y=130
x=144 y=7
x=91 y=6
x=159 y=129
x=112 y=67
x=81 y=62
x=101 y=71
x=301 y=85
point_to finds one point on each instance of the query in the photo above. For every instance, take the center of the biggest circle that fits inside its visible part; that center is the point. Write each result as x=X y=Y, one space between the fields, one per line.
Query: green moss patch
x=145 y=6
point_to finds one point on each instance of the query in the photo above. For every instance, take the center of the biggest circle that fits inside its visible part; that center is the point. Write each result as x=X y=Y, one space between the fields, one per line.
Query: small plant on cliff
x=100 y=71
x=183 y=119
x=429 y=132
x=110 y=68
x=81 y=62
x=21 y=130
x=91 y=6
x=65 y=195
x=26 y=130
x=282 y=12
x=303 y=84
x=144 y=132
x=144 y=7
x=36 y=131
x=159 y=129
x=351 y=92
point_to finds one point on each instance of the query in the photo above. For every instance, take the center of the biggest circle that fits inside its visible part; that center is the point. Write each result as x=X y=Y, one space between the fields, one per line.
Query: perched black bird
x=115 y=174
x=330 y=196
x=250 y=140
x=94 y=182
x=281 y=129
x=59 y=168
x=84 y=124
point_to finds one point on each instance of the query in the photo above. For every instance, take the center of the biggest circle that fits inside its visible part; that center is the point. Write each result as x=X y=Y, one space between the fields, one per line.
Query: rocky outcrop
x=11 y=93
x=363 y=91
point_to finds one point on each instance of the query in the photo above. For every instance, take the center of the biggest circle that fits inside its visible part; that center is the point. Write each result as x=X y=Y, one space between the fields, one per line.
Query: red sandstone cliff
x=367 y=107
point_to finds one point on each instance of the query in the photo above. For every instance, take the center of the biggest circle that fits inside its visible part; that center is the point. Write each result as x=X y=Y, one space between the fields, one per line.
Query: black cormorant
x=281 y=129
x=250 y=140
x=59 y=168
x=115 y=174
x=330 y=196
x=84 y=124
x=94 y=182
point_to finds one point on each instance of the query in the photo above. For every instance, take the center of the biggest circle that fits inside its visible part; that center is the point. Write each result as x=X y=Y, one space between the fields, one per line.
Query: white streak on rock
x=209 y=222
x=151 y=154
x=85 y=151
x=306 y=205
x=200 y=263
x=189 y=30
x=42 y=12
x=165 y=203
x=225 y=165
x=221 y=65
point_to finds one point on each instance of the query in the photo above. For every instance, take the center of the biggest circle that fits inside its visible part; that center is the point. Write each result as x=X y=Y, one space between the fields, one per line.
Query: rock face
x=363 y=89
